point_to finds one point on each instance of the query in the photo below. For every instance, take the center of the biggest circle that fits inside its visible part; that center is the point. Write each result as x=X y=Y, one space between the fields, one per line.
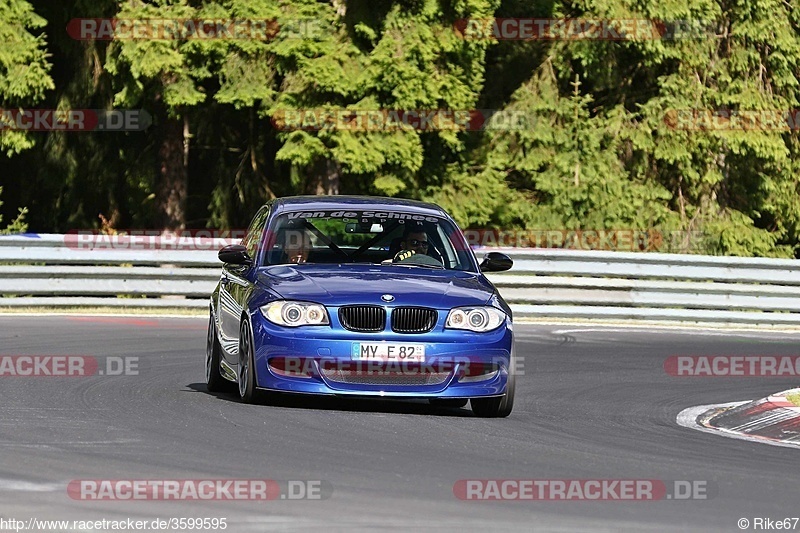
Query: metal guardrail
x=54 y=271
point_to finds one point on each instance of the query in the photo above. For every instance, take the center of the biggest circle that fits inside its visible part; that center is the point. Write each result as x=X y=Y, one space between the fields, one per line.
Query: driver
x=415 y=238
x=414 y=248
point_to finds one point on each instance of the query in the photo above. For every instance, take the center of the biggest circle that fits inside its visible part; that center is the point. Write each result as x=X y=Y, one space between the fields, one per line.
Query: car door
x=235 y=282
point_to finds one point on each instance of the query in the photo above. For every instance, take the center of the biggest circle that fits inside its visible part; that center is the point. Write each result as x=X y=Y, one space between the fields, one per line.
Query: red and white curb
x=773 y=420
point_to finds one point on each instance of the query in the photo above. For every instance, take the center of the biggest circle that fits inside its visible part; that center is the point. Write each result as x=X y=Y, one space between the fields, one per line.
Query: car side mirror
x=235 y=254
x=495 y=262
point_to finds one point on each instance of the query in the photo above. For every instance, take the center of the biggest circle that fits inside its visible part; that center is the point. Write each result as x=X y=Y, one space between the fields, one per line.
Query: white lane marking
x=688 y=419
x=29 y=486
x=659 y=324
x=203 y=314
x=666 y=329
x=64 y=443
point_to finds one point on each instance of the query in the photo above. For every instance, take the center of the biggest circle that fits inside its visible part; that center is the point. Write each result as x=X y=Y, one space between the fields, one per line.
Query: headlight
x=478 y=319
x=293 y=314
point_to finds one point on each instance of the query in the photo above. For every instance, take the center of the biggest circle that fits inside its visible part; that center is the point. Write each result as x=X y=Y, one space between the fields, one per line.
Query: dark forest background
x=601 y=154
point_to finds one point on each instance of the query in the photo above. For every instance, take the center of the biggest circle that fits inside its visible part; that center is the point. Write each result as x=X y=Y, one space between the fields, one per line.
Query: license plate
x=388 y=351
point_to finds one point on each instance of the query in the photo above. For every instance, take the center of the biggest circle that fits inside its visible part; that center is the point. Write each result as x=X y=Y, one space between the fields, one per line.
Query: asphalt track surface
x=593 y=403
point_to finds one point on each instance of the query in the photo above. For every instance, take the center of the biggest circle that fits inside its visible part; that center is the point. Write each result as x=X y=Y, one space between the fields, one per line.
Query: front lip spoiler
x=372 y=396
x=372 y=390
x=338 y=388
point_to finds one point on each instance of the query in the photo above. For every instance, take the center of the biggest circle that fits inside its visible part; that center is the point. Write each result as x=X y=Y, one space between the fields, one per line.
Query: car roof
x=356 y=203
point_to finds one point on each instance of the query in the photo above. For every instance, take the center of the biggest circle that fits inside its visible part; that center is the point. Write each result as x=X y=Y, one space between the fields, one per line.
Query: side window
x=250 y=240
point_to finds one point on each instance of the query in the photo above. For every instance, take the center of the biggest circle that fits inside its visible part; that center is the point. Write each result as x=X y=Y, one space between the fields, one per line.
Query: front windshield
x=367 y=237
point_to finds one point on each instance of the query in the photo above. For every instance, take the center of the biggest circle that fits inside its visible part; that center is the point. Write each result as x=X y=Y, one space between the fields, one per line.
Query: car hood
x=335 y=285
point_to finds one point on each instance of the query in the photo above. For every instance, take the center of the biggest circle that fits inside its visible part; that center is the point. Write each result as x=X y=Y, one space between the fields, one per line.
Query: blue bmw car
x=361 y=296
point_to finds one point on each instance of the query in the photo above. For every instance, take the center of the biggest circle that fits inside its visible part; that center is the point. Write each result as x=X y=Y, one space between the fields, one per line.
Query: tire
x=498 y=406
x=214 y=380
x=246 y=370
x=454 y=403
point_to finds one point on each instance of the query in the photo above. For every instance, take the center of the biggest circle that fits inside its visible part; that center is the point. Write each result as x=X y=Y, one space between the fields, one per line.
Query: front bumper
x=324 y=353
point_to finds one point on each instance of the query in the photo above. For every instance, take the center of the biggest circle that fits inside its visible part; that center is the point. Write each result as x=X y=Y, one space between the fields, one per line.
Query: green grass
x=794 y=398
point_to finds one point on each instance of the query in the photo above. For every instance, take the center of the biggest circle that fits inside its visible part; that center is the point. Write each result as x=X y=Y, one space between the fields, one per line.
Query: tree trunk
x=323 y=178
x=171 y=187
